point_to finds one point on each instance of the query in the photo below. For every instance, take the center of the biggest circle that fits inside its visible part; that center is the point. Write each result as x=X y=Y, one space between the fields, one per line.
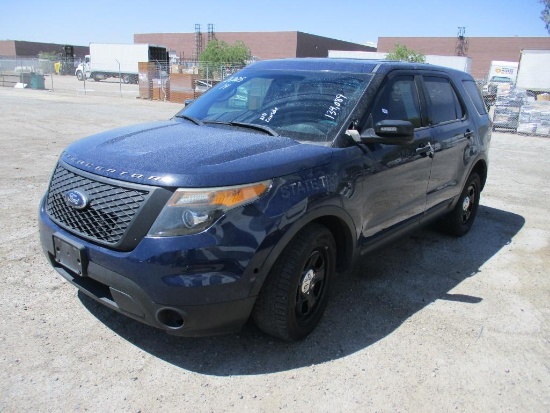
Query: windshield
x=307 y=106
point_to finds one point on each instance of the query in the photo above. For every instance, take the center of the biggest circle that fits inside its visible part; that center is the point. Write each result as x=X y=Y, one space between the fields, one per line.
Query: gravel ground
x=430 y=324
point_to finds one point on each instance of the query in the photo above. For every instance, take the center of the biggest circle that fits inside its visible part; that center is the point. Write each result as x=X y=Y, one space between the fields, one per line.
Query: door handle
x=468 y=134
x=426 y=149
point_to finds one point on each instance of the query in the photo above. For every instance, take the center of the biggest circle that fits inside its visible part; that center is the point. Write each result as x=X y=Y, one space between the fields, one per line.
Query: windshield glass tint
x=302 y=105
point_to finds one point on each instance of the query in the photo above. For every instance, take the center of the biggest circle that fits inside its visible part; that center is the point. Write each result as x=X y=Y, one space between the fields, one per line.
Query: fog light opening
x=170 y=318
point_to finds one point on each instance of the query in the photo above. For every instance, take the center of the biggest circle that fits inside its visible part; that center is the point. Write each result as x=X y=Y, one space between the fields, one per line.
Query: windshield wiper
x=191 y=119
x=260 y=128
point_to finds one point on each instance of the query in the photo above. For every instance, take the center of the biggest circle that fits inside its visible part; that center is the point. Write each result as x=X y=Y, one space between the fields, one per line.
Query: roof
x=346 y=65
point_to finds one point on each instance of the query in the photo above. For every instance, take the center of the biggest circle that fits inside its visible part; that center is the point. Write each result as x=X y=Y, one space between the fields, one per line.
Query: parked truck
x=108 y=60
x=534 y=71
x=500 y=73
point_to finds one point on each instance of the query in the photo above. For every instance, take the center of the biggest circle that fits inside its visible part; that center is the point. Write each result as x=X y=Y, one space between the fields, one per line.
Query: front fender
x=336 y=219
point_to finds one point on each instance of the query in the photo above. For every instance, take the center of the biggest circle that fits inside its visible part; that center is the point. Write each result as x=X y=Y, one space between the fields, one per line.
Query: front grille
x=110 y=211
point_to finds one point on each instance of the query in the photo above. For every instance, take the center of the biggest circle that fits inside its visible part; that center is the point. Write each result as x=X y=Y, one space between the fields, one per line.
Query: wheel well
x=481 y=169
x=343 y=238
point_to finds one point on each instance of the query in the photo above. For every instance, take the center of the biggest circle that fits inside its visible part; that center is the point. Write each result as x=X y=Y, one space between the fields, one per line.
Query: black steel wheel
x=295 y=293
x=459 y=221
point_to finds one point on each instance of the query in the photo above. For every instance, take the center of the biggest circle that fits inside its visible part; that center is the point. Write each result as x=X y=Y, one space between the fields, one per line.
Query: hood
x=180 y=154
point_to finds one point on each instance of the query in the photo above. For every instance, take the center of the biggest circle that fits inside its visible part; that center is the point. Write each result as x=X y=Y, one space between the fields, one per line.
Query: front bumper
x=126 y=297
x=187 y=292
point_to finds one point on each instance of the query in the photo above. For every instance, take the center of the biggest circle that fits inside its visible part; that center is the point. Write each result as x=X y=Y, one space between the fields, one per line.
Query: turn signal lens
x=223 y=197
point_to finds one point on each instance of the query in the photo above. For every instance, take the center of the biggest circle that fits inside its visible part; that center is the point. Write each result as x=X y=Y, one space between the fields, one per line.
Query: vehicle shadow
x=367 y=304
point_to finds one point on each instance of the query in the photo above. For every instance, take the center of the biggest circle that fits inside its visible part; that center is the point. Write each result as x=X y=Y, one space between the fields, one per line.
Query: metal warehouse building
x=263 y=45
x=12 y=48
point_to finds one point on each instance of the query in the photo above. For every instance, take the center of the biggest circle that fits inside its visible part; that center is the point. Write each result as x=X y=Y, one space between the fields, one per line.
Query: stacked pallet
x=145 y=77
x=182 y=87
x=534 y=118
x=153 y=83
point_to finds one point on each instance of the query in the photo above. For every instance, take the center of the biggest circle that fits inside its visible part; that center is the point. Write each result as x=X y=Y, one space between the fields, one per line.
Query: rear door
x=452 y=131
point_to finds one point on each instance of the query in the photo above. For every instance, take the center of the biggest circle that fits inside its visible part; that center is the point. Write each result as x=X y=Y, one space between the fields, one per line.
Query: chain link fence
x=24 y=71
x=181 y=81
x=518 y=111
x=174 y=81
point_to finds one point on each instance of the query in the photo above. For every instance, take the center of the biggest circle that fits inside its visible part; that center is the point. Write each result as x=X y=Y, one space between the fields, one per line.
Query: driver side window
x=398 y=101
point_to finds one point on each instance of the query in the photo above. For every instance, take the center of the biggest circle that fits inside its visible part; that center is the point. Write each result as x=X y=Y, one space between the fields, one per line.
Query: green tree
x=545 y=14
x=220 y=52
x=401 y=52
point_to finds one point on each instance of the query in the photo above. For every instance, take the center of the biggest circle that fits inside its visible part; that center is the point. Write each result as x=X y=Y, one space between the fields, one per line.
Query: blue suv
x=252 y=198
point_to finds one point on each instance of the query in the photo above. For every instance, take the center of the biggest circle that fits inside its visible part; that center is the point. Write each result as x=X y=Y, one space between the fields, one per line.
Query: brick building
x=13 y=48
x=482 y=50
x=263 y=45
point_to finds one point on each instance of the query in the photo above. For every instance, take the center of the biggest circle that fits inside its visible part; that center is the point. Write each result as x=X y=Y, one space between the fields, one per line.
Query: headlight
x=190 y=211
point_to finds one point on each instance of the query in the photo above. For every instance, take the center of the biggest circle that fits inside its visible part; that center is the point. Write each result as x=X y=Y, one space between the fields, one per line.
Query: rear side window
x=475 y=96
x=445 y=105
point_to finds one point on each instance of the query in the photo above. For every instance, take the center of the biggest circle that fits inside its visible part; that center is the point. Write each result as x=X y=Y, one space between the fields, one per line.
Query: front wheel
x=459 y=221
x=80 y=76
x=295 y=293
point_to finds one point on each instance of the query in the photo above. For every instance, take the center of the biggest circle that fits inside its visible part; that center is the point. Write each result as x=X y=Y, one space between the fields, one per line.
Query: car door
x=395 y=190
x=451 y=131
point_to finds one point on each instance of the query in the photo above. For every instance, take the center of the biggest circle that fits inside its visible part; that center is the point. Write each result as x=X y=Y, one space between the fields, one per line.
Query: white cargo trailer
x=118 y=60
x=463 y=63
x=534 y=70
x=455 y=62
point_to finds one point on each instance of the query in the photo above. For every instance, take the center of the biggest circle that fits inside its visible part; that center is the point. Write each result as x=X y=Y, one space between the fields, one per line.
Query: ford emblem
x=76 y=199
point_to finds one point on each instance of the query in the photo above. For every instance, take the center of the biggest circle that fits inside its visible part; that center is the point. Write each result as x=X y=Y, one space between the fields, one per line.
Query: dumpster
x=25 y=78
x=37 y=81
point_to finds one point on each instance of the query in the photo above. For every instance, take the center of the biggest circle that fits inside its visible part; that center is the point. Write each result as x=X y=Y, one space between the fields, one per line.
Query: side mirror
x=390 y=132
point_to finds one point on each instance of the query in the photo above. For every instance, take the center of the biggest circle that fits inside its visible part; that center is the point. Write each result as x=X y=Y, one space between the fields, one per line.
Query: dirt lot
x=431 y=324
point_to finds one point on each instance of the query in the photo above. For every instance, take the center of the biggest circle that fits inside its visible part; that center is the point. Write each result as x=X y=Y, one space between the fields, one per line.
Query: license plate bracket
x=70 y=255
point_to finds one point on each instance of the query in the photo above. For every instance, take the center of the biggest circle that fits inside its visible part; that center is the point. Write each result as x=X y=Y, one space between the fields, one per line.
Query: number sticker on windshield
x=334 y=110
x=231 y=80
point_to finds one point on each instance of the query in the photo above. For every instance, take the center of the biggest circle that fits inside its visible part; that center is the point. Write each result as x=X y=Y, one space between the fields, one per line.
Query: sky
x=357 y=21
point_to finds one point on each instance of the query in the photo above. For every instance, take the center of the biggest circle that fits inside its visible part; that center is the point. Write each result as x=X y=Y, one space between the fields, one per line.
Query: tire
x=459 y=221
x=126 y=79
x=80 y=76
x=296 y=291
x=96 y=78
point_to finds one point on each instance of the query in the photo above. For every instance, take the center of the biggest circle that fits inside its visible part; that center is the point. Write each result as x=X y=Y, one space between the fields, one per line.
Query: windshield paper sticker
x=334 y=110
